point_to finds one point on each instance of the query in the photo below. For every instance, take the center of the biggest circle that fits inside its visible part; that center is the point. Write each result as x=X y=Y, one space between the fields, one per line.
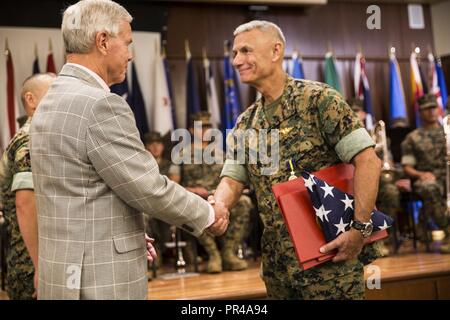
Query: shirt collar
x=93 y=74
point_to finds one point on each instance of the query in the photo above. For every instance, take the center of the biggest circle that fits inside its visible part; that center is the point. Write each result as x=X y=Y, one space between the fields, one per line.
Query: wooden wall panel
x=308 y=29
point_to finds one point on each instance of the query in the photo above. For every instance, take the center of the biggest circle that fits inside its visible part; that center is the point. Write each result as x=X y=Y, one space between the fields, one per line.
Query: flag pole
x=163 y=49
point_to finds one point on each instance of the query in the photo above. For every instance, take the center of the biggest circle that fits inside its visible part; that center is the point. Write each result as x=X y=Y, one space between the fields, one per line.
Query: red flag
x=11 y=107
x=50 y=63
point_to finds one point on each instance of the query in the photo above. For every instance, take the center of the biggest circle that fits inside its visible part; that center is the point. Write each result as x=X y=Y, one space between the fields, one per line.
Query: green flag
x=331 y=76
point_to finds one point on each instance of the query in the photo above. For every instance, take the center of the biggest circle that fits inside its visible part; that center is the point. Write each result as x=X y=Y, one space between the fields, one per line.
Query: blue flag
x=232 y=108
x=397 y=105
x=297 y=69
x=36 y=66
x=441 y=83
x=137 y=104
x=121 y=89
x=192 y=98
x=334 y=208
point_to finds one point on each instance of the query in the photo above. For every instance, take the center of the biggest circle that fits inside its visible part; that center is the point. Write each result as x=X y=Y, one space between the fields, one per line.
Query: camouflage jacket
x=15 y=174
x=202 y=174
x=317 y=129
x=425 y=150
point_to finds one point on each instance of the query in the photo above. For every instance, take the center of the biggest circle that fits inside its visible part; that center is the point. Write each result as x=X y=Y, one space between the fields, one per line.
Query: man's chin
x=119 y=80
x=246 y=80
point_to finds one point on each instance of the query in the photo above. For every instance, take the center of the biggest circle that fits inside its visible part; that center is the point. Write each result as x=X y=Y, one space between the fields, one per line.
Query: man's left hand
x=349 y=245
x=151 y=252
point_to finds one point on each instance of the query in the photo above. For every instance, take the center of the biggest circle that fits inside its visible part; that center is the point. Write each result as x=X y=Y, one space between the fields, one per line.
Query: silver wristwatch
x=365 y=228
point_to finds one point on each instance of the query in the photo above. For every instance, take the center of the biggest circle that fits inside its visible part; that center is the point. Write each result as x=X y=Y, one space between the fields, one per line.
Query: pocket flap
x=129 y=241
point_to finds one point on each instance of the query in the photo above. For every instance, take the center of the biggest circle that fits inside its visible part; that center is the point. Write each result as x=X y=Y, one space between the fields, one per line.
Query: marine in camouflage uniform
x=424 y=151
x=317 y=129
x=15 y=174
x=207 y=176
x=156 y=228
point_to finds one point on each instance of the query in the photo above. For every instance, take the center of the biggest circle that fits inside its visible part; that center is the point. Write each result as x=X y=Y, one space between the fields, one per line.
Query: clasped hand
x=349 y=245
x=222 y=217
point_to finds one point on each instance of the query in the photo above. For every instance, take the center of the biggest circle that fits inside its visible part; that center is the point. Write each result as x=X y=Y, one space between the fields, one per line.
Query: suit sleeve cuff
x=353 y=143
x=212 y=217
x=22 y=180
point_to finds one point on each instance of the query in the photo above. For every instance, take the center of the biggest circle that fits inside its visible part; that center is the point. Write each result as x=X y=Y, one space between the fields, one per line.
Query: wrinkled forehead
x=125 y=30
x=254 y=36
x=247 y=38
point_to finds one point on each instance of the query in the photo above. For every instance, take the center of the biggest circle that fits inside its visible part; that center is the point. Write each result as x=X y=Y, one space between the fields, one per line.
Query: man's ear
x=101 y=42
x=277 y=52
x=29 y=98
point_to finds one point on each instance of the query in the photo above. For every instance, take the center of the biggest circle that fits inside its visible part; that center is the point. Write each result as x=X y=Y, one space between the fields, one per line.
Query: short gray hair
x=262 y=25
x=83 y=20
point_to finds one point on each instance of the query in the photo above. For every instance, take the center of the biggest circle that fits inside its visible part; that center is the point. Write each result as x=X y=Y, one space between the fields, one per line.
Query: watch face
x=358 y=225
x=368 y=228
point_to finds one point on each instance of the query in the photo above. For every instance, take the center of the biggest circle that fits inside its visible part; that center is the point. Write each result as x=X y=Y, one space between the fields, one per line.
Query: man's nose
x=237 y=60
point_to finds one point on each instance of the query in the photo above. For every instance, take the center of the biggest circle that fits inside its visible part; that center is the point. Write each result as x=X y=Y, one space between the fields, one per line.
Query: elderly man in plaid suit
x=92 y=175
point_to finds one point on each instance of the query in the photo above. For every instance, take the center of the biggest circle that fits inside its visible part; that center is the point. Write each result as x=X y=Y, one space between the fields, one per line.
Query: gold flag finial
x=226 y=47
x=6 y=46
x=187 y=49
x=329 y=47
x=204 y=54
x=360 y=48
x=50 y=45
x=35 y=50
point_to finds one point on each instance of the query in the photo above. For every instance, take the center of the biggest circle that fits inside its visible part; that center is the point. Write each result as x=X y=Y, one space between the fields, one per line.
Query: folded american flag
x=334 y=208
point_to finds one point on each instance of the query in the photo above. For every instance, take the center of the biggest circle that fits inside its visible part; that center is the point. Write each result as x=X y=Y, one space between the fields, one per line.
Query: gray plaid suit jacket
x=93 y=179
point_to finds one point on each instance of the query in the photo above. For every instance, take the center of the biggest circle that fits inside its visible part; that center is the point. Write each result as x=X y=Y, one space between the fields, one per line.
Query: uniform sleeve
x=22 y=177
x=340 y=127
x=235 y=171
x=119 y=157
x=234 y=167
x=408 y=157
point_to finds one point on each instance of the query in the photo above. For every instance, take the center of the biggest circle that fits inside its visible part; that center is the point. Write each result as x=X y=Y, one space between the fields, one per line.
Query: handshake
x=222 y=217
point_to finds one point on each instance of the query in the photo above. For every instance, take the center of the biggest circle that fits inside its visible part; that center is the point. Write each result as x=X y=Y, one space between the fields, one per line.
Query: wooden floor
x=408 y=275
x=402 y=277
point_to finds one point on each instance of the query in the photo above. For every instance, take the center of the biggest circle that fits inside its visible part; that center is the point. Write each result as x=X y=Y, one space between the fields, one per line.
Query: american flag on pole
x=334 y=208
x=434 y=84
x=362 y=90
x=9 y=125
x=416 y=85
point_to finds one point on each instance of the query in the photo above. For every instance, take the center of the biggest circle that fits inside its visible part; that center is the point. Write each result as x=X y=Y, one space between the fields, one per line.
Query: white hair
x=83 y=20
x=262 y=25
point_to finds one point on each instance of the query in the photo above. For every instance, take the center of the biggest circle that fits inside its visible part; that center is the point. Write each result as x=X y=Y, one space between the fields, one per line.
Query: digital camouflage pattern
x=312 y=118
x=425 y=150
x=207 y=176
x=16 y=158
